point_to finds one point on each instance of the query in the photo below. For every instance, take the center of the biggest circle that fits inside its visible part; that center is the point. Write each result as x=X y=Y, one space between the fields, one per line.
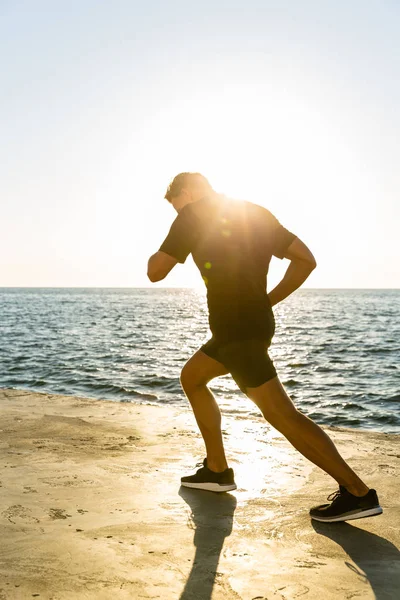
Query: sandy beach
x=91 y=507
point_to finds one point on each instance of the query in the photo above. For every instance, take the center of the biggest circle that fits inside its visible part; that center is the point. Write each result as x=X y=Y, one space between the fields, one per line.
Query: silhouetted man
x=232 y=243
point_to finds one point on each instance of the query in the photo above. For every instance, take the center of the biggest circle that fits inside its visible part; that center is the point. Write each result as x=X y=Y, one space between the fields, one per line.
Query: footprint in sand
x=387 y=469
x=58 y=513
x=17 y=513
x=290 y=592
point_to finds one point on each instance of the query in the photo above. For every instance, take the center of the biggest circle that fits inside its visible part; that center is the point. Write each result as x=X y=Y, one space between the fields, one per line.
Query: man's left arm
x=159 y=265
x=175 y=248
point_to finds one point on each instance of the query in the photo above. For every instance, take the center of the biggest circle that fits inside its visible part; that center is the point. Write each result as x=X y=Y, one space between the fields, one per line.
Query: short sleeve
x=179 y=242
x=276 y=235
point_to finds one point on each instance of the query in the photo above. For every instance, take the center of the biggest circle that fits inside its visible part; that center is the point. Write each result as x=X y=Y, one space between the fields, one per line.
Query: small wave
x=167 y=383
x=317 y=415
x=89 y=369
x=121 y=390
x=234 y=411
x=378 y=350
x=144 y=395
x=291 y=382
x=344 y=421
x=352 y=406
x=332 y=384
x=388 y=418
x=346 y=406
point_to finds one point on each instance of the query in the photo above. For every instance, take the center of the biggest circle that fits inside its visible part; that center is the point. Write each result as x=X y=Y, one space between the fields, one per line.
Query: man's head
x=186 y=188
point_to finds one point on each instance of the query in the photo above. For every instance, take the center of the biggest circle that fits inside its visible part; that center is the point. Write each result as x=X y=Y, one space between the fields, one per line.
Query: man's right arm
x=302 y=263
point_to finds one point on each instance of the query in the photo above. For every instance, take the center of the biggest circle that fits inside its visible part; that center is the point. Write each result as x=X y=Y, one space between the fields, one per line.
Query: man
x=232 y=243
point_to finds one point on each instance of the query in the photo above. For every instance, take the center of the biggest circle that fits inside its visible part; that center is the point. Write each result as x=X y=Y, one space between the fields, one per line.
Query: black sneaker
x=345 y=506
x=205 y=479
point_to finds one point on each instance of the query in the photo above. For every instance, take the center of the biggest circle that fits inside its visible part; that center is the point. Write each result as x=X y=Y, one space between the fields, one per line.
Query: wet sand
x=91 y=507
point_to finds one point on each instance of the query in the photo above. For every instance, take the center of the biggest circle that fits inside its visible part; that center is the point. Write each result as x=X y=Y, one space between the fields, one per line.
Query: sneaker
x=205 y=479
x=345 y=506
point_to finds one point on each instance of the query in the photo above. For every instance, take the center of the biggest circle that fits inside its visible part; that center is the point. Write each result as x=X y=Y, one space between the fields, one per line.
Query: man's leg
x=305 y=435
x=197 y=372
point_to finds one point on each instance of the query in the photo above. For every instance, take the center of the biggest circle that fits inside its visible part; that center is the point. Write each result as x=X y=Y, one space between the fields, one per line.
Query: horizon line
x=170 y=288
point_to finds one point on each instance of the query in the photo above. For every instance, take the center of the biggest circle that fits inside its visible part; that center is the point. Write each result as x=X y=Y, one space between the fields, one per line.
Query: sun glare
x=257 y=146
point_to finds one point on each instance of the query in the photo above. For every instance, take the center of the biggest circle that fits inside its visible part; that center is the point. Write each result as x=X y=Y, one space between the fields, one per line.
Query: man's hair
x=182 y=180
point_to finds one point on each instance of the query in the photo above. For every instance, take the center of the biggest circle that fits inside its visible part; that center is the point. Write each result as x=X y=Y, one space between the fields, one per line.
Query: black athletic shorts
x=246 y=360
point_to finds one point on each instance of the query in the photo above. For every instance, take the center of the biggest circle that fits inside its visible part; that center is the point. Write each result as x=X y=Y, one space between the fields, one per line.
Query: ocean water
x=337 y=352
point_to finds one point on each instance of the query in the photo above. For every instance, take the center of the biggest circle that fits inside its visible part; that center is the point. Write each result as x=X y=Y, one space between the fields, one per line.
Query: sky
x=291 y=105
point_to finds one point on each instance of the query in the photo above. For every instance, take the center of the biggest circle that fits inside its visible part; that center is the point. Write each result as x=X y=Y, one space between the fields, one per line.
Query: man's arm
x=302 y=263
x=175 y=248
x=159 y=265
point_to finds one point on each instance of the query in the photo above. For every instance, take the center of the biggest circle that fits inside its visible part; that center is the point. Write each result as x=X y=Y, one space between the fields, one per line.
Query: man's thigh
x=273 y=401
x=200 y=369
x=248 y=362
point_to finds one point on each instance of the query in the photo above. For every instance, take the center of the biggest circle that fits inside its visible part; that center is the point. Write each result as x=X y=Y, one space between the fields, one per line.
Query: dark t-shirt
x=232 y=242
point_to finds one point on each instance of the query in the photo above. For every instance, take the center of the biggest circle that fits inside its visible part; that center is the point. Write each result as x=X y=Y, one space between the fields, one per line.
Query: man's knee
x=189 y=379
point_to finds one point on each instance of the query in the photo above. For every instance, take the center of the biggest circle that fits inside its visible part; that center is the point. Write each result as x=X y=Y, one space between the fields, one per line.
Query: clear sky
x=292 y=105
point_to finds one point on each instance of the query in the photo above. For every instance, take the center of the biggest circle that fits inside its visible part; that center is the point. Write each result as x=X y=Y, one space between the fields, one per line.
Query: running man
x=232 y=243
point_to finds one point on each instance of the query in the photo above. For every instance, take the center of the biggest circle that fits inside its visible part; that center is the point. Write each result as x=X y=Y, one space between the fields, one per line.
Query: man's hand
x=159 y=265
x=302 y=263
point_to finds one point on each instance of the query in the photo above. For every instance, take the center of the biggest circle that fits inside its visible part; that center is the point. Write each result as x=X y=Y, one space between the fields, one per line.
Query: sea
x=336 y=351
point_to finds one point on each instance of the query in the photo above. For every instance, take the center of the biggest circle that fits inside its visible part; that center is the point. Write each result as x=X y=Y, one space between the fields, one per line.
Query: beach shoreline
x=91 y=507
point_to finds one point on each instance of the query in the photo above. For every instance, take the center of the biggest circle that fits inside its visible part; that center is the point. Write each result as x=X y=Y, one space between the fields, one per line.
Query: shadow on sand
x=377 y=559
x=212 y=519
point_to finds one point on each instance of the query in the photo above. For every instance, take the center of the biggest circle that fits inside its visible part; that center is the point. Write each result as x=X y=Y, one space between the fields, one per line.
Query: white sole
x=371 y=512
x=211 y=487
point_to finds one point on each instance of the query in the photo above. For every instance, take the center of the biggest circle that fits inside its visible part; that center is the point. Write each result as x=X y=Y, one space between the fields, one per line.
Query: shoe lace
x=334 y=495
